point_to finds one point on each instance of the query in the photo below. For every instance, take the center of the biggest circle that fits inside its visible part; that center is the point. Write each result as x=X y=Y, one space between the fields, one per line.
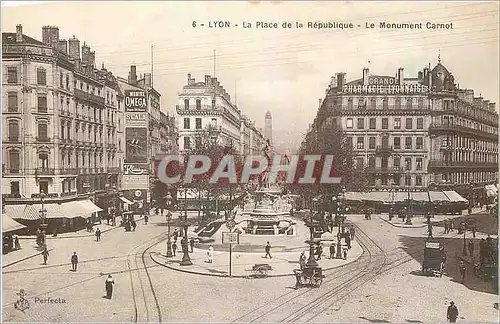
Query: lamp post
x=338 y=216
x=464 y=250
x=184 y=242
x=43 y=216
x=115 y=208
x=311 y=262
x=410 y=210
x=169 y=218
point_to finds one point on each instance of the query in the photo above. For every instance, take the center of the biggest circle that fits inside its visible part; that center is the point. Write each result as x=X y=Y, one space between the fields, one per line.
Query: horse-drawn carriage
x=434 y=258
x=309 y=276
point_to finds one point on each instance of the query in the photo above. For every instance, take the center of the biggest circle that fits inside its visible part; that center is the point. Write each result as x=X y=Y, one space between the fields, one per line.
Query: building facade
x=206 y=106
x=416 y=132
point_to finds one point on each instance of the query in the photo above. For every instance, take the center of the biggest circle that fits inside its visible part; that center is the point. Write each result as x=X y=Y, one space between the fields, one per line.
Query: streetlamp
x=184 y=242
x=464 y=250
x=115 y=208
x=169 y=218
x=336 y=204
x=410 y=210
x=43 y=216
x=311 y=262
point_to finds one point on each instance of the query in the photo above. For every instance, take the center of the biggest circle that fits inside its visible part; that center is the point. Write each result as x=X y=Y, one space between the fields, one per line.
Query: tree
x=328 y=140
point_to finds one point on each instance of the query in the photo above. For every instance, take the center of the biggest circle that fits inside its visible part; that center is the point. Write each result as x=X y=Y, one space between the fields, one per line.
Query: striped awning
x=437 y=196
x=10 y=225
x=125 y=200
x=455 y=197
x=72 y=209
x=420 y=196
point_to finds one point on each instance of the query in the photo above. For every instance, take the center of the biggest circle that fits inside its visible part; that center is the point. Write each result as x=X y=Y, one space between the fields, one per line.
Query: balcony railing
x=12 y=139
x=68 y=171
x=384 y=170
x=43 y=139
x=437 y=127
x=79 y=94
x=66 y=194
x=462 y=164
x=45 y=171
x=384 y=150
x=113 y=170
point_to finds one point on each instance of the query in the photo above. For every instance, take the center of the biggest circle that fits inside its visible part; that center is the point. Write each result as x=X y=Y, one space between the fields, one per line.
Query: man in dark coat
x=98 y=234
x=351 y=231
x=45 y=254
x=463 y=271
x=471 y=249
x=268 y=250
x=191 y=244
x=74 y=261
x=109 y=287
x=348 y=241
x=174 y=247
x=452 y=313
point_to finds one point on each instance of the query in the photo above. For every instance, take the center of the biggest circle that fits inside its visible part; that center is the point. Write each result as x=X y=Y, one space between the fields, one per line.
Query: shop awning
x=125 y=200
x=10 y=225
x=354 y=196
x=72 y=209
x=437 y=196
x=453 y=196
x=422 y=196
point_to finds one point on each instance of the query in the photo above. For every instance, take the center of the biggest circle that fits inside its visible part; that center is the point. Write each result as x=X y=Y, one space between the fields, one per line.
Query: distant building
x=207 y=107
x=414 y=133
x=268 y=128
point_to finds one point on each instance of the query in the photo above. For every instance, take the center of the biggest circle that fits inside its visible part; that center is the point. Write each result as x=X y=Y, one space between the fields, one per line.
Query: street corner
x=248 y=265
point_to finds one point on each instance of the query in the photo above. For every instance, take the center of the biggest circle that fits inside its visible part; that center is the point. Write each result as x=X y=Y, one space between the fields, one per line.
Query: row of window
x=408 y=142
x=197 y=103
x=396 y=163
x=372 y=123
x=450 y=121
x=398 y=180
x=198 y=123
x=469 y=143
x=13 y=77
x=399 y=103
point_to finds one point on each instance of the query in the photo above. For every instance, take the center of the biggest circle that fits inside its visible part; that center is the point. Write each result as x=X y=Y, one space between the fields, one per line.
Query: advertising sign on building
x=135 y=169
x=135 y=119
x=136 y=150
x=135 y=182
x=135 y=101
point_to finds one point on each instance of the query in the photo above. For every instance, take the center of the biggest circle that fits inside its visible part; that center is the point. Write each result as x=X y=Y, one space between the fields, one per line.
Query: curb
x=239 y=276
x=402 y=226
x=23 y=259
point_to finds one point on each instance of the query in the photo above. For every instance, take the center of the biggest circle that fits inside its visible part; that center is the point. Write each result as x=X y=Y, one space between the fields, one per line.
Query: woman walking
x=109 y=287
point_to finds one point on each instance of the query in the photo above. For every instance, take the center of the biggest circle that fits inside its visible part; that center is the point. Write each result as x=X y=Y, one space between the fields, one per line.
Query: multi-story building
x=268 y=128
x=206 y=106
x=416 y=132
x=257 y=141
x=168 y=134
x=60 y=136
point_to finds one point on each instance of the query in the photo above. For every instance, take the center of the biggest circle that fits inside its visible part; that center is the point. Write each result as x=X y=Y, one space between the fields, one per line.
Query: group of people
x=174 y=243
x=10 y=243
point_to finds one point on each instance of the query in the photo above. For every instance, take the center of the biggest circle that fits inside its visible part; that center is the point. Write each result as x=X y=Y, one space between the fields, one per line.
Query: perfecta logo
x=306 y=169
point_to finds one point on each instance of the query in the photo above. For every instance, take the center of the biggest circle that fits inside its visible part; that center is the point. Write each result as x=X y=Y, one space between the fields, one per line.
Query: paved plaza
x=361 y=289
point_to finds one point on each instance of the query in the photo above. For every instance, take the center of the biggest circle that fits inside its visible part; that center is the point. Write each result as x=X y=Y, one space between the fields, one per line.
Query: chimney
x=207 y=80
x=340 y=81
x=50 y=36
x=85 y=53
x=92 y=58
x=401 y=76
x=74 y=48
x=420 y=75
x=19 y=33
x=333 y=81
x=320 y=102
x=63 y=46
x=191 y=80
x=147 y=79
x=491 y=106
x=132 y=75
x=366 y=73
x=430 y=80
x=486 y=104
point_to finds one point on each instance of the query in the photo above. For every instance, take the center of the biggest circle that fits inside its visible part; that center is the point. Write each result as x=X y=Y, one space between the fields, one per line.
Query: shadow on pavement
x=414 y=246
x=374 y=320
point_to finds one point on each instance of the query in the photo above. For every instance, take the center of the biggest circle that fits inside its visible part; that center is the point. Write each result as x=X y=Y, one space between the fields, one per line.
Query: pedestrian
x=463 y=271
x=452 y=313
x=429 y=231
x=471 y=249
x=109 y=287
x=348 y=241
x=298 y=275
x=268 y=250
x=174 y=247
x=17 y=246
x=319 y=252
x=45 y=254
x=451 y=227
x=351 y=231
x=446 y=226
x=74 y=262
x=332 y=251
x=134 y=224
x=302 y=260
x=210 y=254
x=98 y=234
x=428 y=217
x=345 y=254
x=175 y=234
x=146 y=219
x=470 y=209
x=191 y=244
x=474 y=231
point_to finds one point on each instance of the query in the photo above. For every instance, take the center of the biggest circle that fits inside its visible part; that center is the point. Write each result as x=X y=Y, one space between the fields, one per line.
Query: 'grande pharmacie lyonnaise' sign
x=135 y=100
x=384 y=85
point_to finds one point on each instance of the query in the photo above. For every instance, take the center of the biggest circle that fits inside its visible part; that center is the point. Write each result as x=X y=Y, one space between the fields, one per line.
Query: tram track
x=144 y=296
x=302 y=305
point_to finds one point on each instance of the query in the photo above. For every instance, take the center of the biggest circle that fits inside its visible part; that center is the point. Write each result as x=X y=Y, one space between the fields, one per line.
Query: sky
x=283 y=70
